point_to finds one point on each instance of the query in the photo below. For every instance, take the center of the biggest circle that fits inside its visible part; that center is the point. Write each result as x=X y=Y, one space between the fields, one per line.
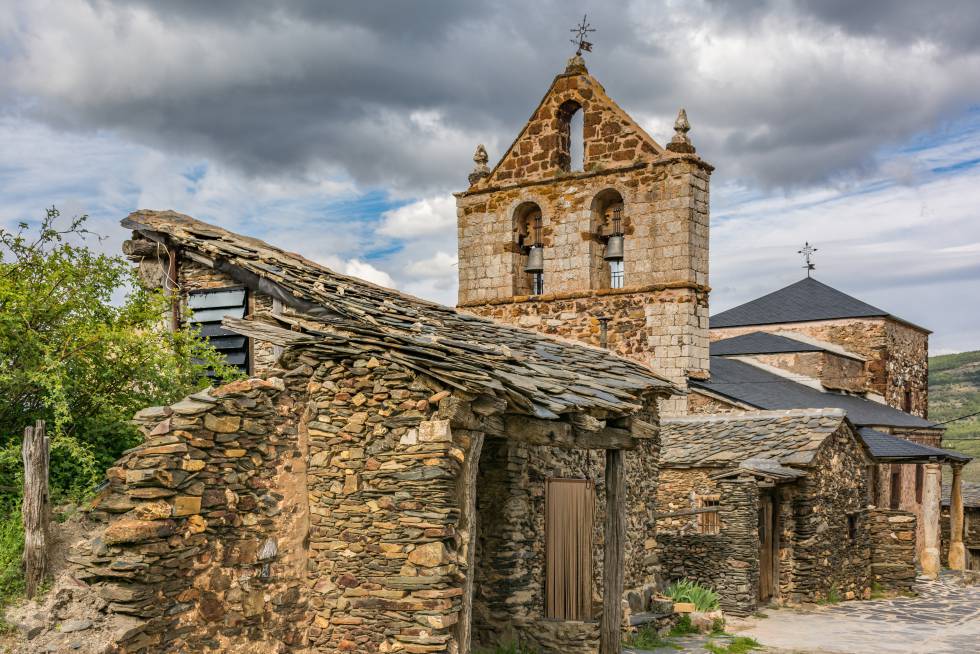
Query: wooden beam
x=35 y=507
x=610 y=637
x=558 y=433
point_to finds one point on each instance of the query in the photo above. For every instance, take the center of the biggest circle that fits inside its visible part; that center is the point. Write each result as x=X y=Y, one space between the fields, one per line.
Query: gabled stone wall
x=829 y=556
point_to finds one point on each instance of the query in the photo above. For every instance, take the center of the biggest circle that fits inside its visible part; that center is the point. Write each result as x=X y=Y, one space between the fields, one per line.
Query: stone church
x=608 y=244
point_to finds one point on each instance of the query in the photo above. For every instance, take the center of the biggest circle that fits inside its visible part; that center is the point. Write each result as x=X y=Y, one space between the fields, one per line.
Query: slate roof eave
x=886 y=447
x=536 y=374
x=747 y=384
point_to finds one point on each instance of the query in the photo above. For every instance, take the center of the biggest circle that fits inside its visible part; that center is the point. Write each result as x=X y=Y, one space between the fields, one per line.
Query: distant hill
x=954 y=390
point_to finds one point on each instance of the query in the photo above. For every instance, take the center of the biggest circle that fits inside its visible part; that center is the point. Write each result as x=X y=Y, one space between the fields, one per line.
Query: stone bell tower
x=560 y=245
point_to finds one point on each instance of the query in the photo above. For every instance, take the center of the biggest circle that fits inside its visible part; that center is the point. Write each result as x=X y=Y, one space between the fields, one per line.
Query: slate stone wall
x=509 y=593
x=728 y=561
x=971 y=532
x=829 y=553
x=203 y=543
x=893 y=553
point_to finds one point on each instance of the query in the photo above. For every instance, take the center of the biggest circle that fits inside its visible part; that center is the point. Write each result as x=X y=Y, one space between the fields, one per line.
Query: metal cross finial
x=807 y=253
x=580 y=32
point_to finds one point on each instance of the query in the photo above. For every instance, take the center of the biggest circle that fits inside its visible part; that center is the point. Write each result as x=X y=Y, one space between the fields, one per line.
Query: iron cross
x=580 y=32
x=807 y=253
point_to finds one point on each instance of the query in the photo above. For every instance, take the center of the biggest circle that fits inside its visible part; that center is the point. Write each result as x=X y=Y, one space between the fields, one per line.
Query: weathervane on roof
x=807 y=253
x=580 y=32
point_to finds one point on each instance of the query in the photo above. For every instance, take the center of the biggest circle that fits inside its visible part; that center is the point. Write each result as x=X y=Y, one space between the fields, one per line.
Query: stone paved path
x=943 y=619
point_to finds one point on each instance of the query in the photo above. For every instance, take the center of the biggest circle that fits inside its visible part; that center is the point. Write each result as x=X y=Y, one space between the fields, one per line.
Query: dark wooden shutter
x=209 y=307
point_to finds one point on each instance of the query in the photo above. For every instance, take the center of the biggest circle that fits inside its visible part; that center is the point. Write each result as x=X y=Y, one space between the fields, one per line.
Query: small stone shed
x=765 y=506
x=403 y=477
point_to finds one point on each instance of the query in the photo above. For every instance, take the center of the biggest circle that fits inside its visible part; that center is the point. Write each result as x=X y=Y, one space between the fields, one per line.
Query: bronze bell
x=535 y=260
x=614 y=248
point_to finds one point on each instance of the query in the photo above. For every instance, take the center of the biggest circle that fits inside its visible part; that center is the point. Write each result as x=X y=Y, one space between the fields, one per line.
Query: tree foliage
x=83 y=346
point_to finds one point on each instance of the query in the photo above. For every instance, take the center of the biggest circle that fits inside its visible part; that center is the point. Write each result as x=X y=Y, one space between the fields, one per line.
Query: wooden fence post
x=35 y=507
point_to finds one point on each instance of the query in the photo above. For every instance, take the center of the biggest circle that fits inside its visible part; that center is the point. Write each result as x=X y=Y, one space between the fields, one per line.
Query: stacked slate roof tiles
x=535 y=374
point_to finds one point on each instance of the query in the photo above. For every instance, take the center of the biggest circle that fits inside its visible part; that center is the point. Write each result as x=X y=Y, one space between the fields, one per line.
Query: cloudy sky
x=339 y=129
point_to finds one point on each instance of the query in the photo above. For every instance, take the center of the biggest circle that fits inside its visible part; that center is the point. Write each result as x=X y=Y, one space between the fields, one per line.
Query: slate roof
x=761 y=389
x=789 y=438
x=885 y=446
x=803 y=301
x=971 y=494
x=535 y=374
x=760 y=343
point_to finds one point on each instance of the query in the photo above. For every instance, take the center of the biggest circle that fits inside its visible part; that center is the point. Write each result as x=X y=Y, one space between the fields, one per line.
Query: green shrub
x=11 y=553
x=509 y=648
x=646 y=637
x=683 y=627
x=702 y=597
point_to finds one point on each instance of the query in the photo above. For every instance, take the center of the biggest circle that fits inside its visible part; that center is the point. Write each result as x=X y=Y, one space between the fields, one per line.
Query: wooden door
x=569 y=509
x=767 y=548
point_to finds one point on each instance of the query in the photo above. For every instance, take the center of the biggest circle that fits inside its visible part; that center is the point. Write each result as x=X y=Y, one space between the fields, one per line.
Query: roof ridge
x=757 y=415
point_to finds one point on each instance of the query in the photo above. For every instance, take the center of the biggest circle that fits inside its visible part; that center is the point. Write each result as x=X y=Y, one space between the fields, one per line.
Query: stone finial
x=681 y=142
x=480 y=168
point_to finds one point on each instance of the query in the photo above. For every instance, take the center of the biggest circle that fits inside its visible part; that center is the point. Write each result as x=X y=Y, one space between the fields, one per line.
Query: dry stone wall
x=727 y=561
x=386 y=572
x=831 y=541
x=205 y=520
x=893 y=554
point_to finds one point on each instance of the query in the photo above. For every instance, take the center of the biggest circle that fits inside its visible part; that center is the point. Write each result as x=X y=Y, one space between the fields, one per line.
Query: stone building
x=766 y=506
x=808 y=346
x=400 y=477
x=555 y=242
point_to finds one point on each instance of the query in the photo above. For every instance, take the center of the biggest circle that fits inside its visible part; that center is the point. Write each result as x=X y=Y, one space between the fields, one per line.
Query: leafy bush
x=11 y=553
x=683 y=627
x=702 y=597
x=738 y=645
x=646 y=637
x=83 y=347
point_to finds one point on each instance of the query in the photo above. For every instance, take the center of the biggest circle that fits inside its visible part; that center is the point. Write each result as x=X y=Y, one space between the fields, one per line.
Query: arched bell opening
x=608 y=252
x=529 y=233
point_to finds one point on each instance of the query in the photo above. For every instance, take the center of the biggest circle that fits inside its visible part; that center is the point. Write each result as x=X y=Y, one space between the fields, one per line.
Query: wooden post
x=610 y=637
x=35 y=507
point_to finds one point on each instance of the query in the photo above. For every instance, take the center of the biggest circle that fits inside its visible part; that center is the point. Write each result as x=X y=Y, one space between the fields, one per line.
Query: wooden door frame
x=771 y=496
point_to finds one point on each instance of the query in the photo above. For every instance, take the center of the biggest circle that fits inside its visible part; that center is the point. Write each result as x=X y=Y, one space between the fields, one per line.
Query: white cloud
x=427 y=216
x=365 y=271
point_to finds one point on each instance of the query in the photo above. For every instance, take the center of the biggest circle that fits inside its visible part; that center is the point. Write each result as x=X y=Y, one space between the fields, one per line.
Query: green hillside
x=954 y=390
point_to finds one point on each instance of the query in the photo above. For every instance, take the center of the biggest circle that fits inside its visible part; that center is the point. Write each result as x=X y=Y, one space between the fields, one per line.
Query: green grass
x=702 y=597
x=954 y=391
x=738 y=645
x=646 y=637
x=833 y=596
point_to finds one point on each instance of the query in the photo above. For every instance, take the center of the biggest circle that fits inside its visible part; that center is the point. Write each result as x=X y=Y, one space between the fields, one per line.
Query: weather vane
x=580 y=32
x=807 y=253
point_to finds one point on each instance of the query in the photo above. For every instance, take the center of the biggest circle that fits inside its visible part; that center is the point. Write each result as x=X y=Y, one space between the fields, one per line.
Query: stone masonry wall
x=386 y=573
x=828 y=553
x=834 y=371
x=204 y=543
x=727 y=561
x=893 y=553
x=971 y=532
x=510 y=571
x=897 y=355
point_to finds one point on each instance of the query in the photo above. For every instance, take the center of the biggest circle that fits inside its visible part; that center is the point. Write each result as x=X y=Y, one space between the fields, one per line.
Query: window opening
x=709 y=522
x=209 y=308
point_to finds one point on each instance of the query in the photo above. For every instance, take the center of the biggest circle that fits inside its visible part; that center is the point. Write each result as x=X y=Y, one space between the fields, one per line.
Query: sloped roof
x=760 y=343
x=971 y=494
x=536 y=374
x=803 y=301
x=751 y=385
x=789 y=438
x=885 y=446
